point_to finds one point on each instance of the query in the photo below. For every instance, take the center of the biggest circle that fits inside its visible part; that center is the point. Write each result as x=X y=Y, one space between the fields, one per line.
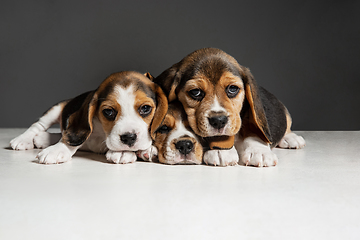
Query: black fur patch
x=73 y=106
x=275 y=115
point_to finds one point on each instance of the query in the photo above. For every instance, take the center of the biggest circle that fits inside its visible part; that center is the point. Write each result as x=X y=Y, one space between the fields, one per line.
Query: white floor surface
x=313 y=193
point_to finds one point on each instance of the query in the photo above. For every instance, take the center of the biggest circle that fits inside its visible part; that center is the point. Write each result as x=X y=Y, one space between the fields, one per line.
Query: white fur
x=25 y=141
x=129 y=122
x=255 y=152
x=221 y=157
x=180 y=131
x=58 y=153
x=121 y=157
x=292 y=140
x=216 y=107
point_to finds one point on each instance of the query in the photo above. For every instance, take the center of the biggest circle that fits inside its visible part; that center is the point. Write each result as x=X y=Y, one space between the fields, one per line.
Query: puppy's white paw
x=121 y=157
x=149 y=154
x=24 y=141
x=259 y=157
x=254 y=152
x=58 y=153
x=292 y=140
x=221 y=157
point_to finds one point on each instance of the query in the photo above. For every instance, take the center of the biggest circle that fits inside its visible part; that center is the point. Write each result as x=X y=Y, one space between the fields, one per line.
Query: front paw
x=23 y=142
x=259 y=157
x=221 y=157
x=121 y=157
x=58 y=153
x=292 y=140
x=148 y=154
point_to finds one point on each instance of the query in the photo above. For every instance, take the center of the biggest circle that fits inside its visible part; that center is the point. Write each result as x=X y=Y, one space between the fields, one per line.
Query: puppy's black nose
x=218 y=122
x=128 y=139
x=184 y=146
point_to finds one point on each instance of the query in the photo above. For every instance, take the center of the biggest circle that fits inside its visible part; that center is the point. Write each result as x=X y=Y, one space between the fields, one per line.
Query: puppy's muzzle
x=218 y=122
x=128 y=139
x=184 y=146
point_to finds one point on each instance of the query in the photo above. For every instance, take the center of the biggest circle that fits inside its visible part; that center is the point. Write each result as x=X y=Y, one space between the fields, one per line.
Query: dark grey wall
x=306 y=53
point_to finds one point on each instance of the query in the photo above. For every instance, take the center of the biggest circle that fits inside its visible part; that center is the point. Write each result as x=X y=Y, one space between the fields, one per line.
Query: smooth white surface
x=313 y=193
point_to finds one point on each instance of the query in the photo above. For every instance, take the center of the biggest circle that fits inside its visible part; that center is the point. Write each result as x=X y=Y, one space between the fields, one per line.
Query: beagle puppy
x=240 y=121
x=115 y=119
x=174 y=140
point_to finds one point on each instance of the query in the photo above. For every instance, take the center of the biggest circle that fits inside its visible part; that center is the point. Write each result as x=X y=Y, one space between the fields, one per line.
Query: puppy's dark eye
x=164 y=129
x=196 y=94
x=232 y=91
x=109 y=113
x=145 y=110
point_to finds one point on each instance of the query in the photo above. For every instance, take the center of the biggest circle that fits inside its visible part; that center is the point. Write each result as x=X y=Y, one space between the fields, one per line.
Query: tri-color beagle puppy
x=116 y=118
x=174 y=140
x=222 y=101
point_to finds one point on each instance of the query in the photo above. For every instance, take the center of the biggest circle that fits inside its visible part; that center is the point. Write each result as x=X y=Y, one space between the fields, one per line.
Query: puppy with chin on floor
x=239 y=120
x=175 y=141
x=115 y=119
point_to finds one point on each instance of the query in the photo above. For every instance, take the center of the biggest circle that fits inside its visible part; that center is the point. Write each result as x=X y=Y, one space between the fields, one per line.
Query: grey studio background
x=305 y=52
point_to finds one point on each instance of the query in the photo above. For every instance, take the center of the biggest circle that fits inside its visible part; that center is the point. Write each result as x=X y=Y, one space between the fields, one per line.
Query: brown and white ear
x=169 y=80
x=76 y=122
x=160 y=111
x=257 y=111
x=149 y=76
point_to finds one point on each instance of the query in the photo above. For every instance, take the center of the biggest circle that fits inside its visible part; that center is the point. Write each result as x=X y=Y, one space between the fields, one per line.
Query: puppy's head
x=213 y=88
x=174 y=139
x=126 y=104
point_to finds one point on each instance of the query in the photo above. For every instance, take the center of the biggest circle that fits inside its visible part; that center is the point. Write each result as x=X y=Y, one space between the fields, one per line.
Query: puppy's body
x=222 y=100
x=115 y=118
x=175 y=141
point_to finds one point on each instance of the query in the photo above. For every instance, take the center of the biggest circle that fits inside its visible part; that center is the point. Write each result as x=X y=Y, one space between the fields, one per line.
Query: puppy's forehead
x=212 y=67
x=176 y=110
x=137 y=81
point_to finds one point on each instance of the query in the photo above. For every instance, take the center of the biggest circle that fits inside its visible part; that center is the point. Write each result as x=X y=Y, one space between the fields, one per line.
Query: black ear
x=77 y=115
x=169 y=81
x=257 y=112
x=160 y=112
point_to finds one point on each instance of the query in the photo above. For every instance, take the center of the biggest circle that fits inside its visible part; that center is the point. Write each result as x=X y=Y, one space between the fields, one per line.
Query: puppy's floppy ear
x=169 y=81
x=257 y=112
x=160 y=111
x=76 y=122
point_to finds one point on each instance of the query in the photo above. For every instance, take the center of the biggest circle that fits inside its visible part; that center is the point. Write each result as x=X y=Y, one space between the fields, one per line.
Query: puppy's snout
x=128 y=139
x=218 y=122
x=184 y=146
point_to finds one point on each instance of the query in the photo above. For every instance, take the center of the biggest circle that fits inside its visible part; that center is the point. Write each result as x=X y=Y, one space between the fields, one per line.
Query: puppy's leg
x=44 y=139
x=121 y=157
x=26 y=140
x=58 y=153
x=148 y=154
x=292 y=140
x=221 y=157
x=255 y=152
